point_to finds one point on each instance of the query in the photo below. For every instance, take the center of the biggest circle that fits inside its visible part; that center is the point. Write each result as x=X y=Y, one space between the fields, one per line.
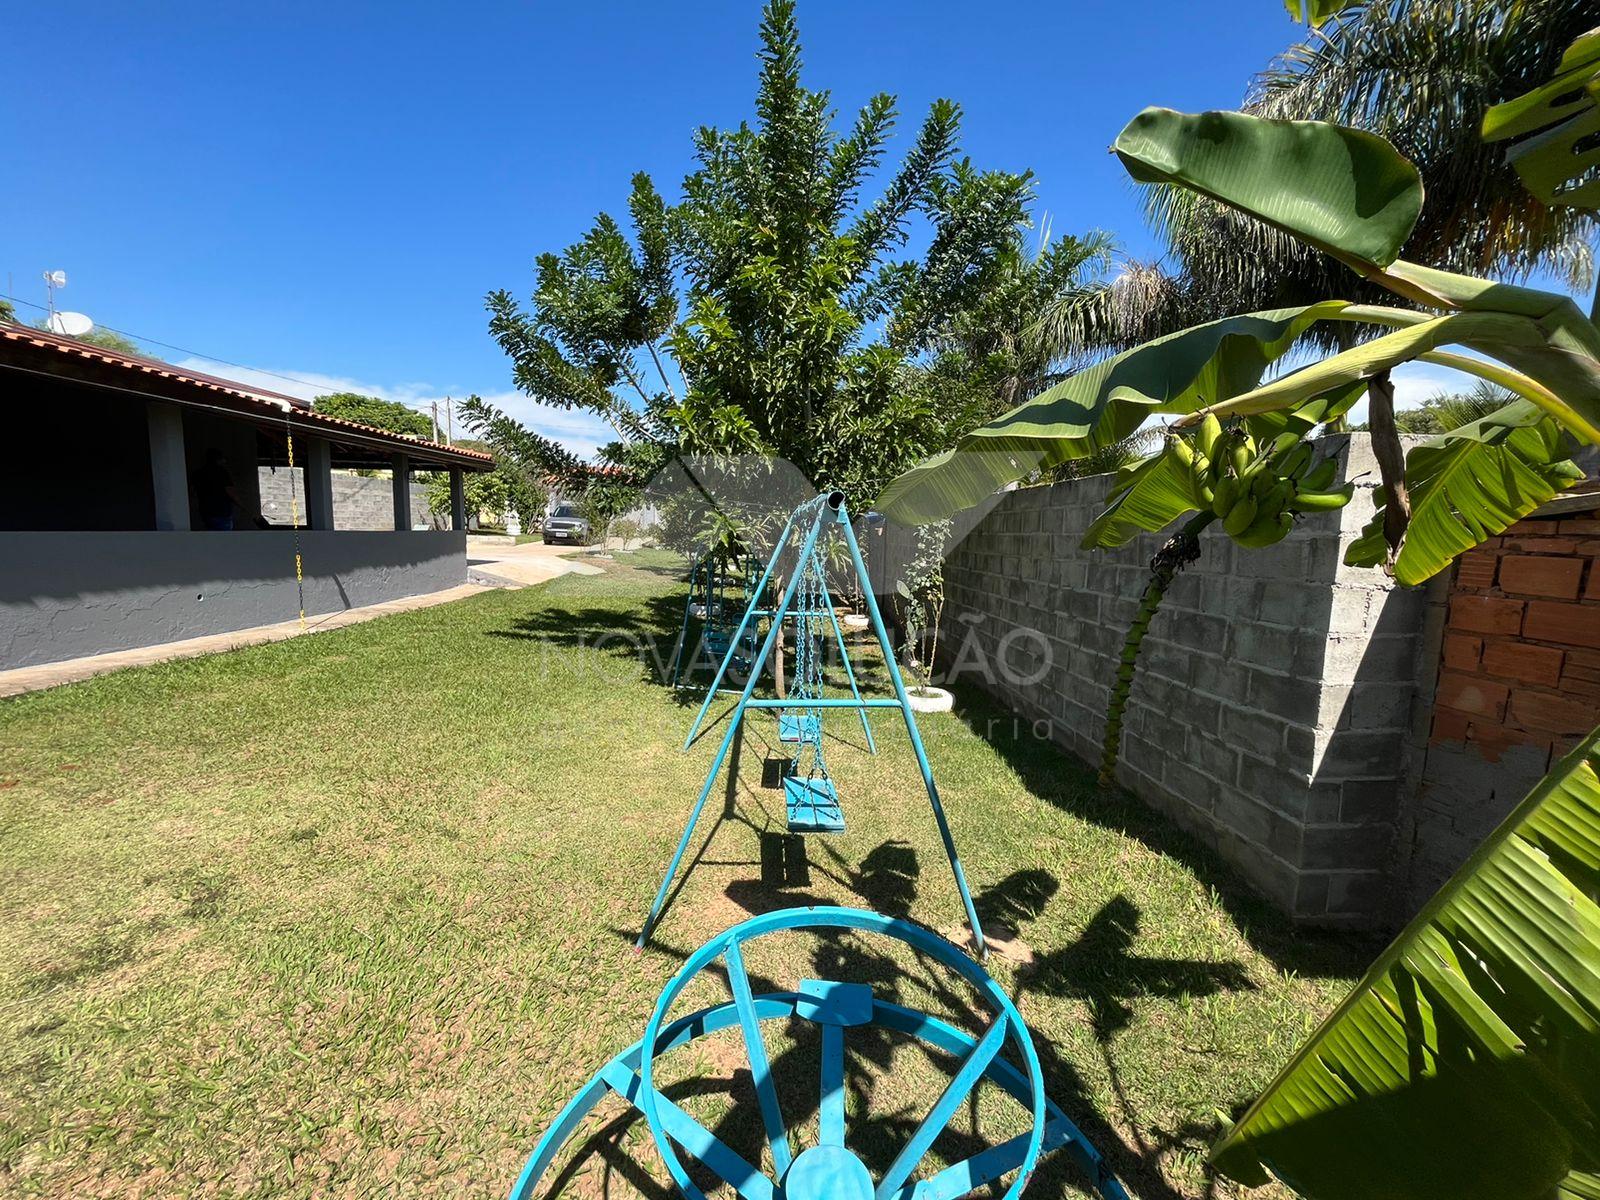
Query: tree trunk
x=1391 y=458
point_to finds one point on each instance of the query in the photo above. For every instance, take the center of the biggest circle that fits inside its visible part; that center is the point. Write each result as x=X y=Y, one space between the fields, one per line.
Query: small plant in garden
x=626 y=530
x=921 y=595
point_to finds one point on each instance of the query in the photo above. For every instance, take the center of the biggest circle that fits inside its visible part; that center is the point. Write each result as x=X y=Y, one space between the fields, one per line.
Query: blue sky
x=327 y=191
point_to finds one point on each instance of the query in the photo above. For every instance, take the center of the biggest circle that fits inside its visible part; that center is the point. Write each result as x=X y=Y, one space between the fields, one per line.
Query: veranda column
x=169 y=468
x=402 y=491
x=318 y=463
x=458 y=499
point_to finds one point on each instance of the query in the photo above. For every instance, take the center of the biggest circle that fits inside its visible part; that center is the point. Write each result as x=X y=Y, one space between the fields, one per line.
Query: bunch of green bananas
x=1255 y=491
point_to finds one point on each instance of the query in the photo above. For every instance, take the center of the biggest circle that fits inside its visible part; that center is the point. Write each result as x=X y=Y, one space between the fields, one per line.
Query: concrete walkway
x=31 y=679
x=491 y=563
x=499 y=564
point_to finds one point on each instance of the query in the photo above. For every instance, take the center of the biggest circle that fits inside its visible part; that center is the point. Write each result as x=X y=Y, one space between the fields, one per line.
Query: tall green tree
x=775 y=309
x=504 y=488
x=1019 y=335
x=380 y=414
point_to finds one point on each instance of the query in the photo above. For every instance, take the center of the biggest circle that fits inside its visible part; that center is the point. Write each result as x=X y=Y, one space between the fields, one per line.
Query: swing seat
x=813 y=805
x=804 y=728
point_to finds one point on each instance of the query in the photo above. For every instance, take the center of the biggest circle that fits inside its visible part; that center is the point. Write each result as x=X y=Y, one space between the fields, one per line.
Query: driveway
x=492 y=561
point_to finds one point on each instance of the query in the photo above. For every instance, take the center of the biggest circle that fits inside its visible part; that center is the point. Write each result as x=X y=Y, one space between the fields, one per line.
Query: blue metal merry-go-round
x=829 y=1169
x=811 y=799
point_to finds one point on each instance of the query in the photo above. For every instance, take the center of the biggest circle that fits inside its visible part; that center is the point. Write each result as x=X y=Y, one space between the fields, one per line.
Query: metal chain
x=294 y=517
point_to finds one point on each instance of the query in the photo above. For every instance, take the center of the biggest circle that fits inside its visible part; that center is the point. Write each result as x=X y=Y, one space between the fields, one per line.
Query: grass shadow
x=1058 y=778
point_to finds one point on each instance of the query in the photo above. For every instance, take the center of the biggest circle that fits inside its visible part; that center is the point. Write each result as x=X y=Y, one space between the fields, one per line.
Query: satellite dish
x=70 y=324
x=56 y=278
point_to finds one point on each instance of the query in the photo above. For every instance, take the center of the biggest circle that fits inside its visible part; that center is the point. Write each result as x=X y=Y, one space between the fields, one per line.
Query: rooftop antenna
x=52 y=281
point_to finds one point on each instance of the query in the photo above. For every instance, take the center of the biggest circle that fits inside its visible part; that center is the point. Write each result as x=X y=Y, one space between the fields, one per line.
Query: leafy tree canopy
x=493 y=492
x=1444 y=411
x=380 y=414
x=777 y=308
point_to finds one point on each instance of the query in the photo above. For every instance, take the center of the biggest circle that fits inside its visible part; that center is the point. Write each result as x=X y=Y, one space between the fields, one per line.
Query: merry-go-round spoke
x=728 y=1164
x=760 y=1070
x=959 y=1088
x=830 y=1108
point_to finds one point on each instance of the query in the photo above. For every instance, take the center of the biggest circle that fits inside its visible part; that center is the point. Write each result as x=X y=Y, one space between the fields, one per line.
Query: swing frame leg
x=916 y=742
x=735 y=726
x=683 y=632
x=755 y=600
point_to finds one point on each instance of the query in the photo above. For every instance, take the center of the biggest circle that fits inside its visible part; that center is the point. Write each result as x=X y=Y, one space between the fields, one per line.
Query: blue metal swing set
x=828 y=1169
x=719 y=585
x=811 y=799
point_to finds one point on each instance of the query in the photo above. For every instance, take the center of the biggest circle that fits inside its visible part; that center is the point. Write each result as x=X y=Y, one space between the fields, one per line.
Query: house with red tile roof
x=132 y=514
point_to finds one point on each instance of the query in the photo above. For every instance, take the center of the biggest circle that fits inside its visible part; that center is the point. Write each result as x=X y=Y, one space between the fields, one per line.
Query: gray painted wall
x=63 y=595
x=1272 y=712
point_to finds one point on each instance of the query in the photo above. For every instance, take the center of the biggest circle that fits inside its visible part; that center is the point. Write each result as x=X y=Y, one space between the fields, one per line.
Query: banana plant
x=1352 y=195
x=1467 y=1061
x=1256 y=477
x=1552 y=130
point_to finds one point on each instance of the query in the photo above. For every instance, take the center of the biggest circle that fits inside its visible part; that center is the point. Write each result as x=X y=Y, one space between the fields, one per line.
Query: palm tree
x=1420 y=73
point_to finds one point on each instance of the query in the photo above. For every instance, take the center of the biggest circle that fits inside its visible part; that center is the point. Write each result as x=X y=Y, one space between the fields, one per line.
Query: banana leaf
x=1567 y=331
x=1147 y=496
x=1347 y=192
x=1315 y=12
x=1553 y=129
x=1466 y=1064
x=1469 y=485
x=1566 y=378
x=1178 y=373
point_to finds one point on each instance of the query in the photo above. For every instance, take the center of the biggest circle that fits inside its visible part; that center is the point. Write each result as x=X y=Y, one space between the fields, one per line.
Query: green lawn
x=352 y=915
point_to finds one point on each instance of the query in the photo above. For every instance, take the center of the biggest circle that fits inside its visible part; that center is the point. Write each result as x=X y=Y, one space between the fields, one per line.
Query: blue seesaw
x=830 y=1170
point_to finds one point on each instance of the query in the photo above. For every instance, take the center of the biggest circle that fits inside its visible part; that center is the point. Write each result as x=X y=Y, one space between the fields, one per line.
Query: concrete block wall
x=1518 y=684
x=1273 y=708
x=360 y=502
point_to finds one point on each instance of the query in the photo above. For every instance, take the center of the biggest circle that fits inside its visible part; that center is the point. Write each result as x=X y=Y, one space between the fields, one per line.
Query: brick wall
x=1273 y=710
x=1519 y=680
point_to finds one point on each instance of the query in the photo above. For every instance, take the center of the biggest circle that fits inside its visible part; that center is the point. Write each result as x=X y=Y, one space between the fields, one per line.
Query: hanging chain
x=294 y=517
x=811 y=624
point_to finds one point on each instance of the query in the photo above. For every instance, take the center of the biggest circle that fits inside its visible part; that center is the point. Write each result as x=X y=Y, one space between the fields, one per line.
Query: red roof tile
x=210 y=389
